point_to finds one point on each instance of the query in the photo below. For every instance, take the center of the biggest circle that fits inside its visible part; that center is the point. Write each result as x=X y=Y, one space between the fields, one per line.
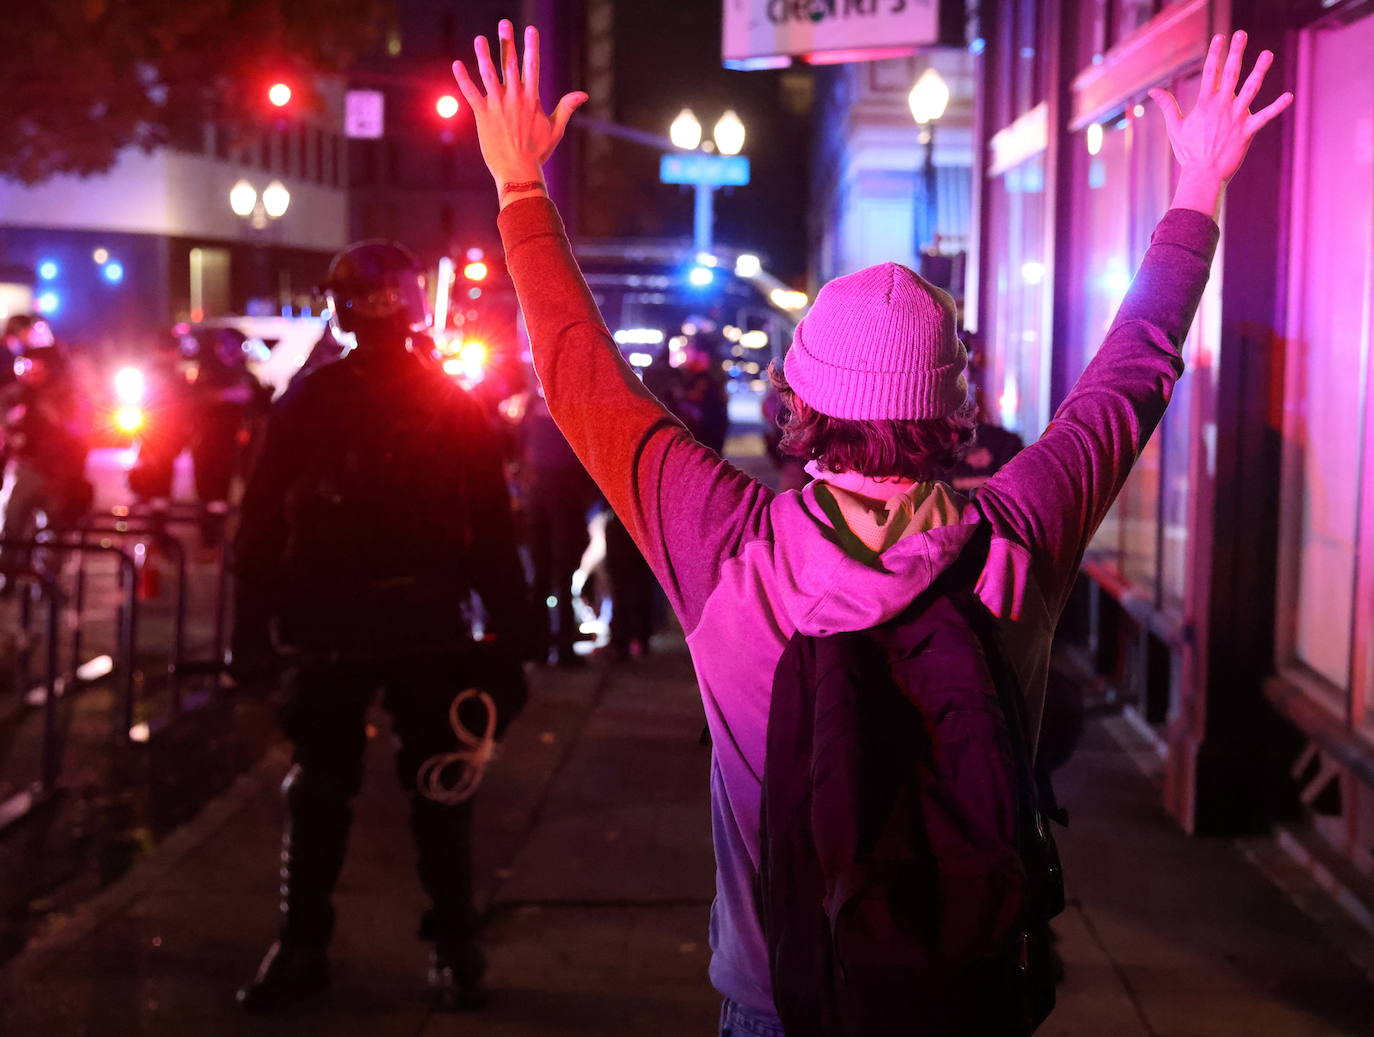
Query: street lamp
x=927 y=100
x=685 y=131
x=729 y=134
x=243 y=198
x=258 y=210
x=728 y=139
x=275 y=199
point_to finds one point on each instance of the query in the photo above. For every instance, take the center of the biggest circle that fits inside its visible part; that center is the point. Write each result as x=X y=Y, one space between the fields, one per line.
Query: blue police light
x=48 y=302
x=47 y=269
x=701 y=276
x=113 y=271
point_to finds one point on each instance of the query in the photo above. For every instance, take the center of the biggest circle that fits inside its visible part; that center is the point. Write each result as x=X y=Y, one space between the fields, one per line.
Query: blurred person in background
x=167 y=424
x=790 y=468
x=22 y=332
x=556 y=493
x=47 y=419
x=377 y=507
x=993 y=446
x=634 y=594
x=698 y=395
x=225 y=398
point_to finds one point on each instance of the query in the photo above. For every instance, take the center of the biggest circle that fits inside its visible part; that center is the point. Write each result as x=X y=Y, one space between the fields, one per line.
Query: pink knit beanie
x=879 y=344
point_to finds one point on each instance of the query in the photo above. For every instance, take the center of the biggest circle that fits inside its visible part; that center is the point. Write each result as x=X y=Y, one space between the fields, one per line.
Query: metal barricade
x=169 y=545
x=23 y=802
x=127 y=534
x=145 y=521
x=126 y=642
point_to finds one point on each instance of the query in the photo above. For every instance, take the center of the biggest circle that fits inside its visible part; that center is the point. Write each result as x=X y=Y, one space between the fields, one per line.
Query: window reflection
x=1015 y=382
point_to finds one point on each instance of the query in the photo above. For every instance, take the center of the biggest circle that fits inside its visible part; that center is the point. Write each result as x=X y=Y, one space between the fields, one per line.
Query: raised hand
x=1210 y=142
x=515 y=134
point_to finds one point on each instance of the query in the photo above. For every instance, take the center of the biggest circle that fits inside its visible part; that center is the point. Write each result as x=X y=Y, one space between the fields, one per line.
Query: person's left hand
x=516 y=135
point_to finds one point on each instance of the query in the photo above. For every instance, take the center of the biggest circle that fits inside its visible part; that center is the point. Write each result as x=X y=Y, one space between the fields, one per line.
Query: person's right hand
x=514 y=132
x=1210 y=142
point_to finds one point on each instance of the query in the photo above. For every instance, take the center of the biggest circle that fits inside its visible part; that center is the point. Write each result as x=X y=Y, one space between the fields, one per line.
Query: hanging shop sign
x=770 y=33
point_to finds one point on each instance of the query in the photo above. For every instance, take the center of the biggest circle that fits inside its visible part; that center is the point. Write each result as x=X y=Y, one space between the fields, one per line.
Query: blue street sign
x=693 y=167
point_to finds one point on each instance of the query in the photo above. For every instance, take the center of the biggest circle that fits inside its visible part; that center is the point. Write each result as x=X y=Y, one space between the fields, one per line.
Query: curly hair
x=920 y=450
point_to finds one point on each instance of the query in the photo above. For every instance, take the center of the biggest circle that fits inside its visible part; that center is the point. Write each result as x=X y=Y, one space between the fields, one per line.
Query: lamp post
x=258 y=210
x=927 y=100
x=728 y=139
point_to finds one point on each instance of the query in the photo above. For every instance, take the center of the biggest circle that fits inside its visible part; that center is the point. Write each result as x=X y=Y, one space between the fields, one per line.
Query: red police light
x=475 y=271
x=446 y=106
x=279 y=94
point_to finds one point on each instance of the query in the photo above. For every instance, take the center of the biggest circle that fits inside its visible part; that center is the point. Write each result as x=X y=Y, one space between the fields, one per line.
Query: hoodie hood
x=842 y=564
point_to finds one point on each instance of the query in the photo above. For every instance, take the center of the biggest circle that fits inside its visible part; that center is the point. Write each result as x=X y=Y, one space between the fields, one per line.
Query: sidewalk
x=596 y=869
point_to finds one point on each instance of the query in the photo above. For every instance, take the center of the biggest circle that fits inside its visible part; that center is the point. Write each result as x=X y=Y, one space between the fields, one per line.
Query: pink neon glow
x=840 y=57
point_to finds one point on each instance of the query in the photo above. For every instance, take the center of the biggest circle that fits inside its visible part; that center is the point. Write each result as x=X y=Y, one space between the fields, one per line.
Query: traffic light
x=446 y=106
x=279 y=95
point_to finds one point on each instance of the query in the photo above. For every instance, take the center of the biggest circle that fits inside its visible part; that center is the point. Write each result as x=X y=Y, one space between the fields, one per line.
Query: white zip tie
x=474 y=760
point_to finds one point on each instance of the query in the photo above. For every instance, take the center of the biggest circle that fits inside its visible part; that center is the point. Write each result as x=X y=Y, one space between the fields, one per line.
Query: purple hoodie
x=745 y=568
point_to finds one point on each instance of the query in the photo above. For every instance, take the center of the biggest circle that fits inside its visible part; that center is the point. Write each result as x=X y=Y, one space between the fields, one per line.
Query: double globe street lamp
x=727 y=138
x=259 y=210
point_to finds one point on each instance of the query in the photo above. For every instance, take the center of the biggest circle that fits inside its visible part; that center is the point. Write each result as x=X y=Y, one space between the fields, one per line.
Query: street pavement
x=596 y=875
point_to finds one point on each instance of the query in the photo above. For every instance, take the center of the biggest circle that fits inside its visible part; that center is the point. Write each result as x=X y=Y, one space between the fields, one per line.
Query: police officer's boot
x=296 y=967
x=443 y=839
x=287 y=976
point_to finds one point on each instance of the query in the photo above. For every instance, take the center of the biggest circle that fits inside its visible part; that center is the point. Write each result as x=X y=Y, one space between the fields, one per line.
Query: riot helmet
x=23 y=331
x=376 y=292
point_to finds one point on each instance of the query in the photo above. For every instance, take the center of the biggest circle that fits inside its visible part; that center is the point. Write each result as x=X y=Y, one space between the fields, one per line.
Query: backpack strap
x=1038 y=801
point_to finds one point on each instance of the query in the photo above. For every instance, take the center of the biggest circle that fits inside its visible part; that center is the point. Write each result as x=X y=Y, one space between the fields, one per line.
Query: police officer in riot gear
x=376 y=508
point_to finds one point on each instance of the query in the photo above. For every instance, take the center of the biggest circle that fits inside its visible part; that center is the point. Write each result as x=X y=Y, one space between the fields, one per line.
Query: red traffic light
x=446 y=106
x=279 y=94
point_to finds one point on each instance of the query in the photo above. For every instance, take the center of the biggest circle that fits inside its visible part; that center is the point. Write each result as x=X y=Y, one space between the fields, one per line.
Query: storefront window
x=1101 y=264
x=1015 y=386
x=1155 y=178
x=1329 y=349
x=1123 y=175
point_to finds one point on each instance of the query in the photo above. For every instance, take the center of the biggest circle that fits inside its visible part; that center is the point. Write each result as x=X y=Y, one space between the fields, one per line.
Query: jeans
x=738 y=1021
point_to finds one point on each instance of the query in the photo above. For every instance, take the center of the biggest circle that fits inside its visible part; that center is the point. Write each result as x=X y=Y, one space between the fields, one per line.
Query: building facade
x=115 y=258
x=1229 y=597
x=422 y=182
x=867 y=177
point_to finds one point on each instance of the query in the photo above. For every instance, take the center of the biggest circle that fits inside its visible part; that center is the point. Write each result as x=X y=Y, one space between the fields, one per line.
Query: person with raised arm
x=874 y=384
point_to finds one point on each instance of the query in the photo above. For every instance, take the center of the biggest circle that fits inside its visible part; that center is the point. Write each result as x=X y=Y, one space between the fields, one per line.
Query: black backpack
x=907 y=876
